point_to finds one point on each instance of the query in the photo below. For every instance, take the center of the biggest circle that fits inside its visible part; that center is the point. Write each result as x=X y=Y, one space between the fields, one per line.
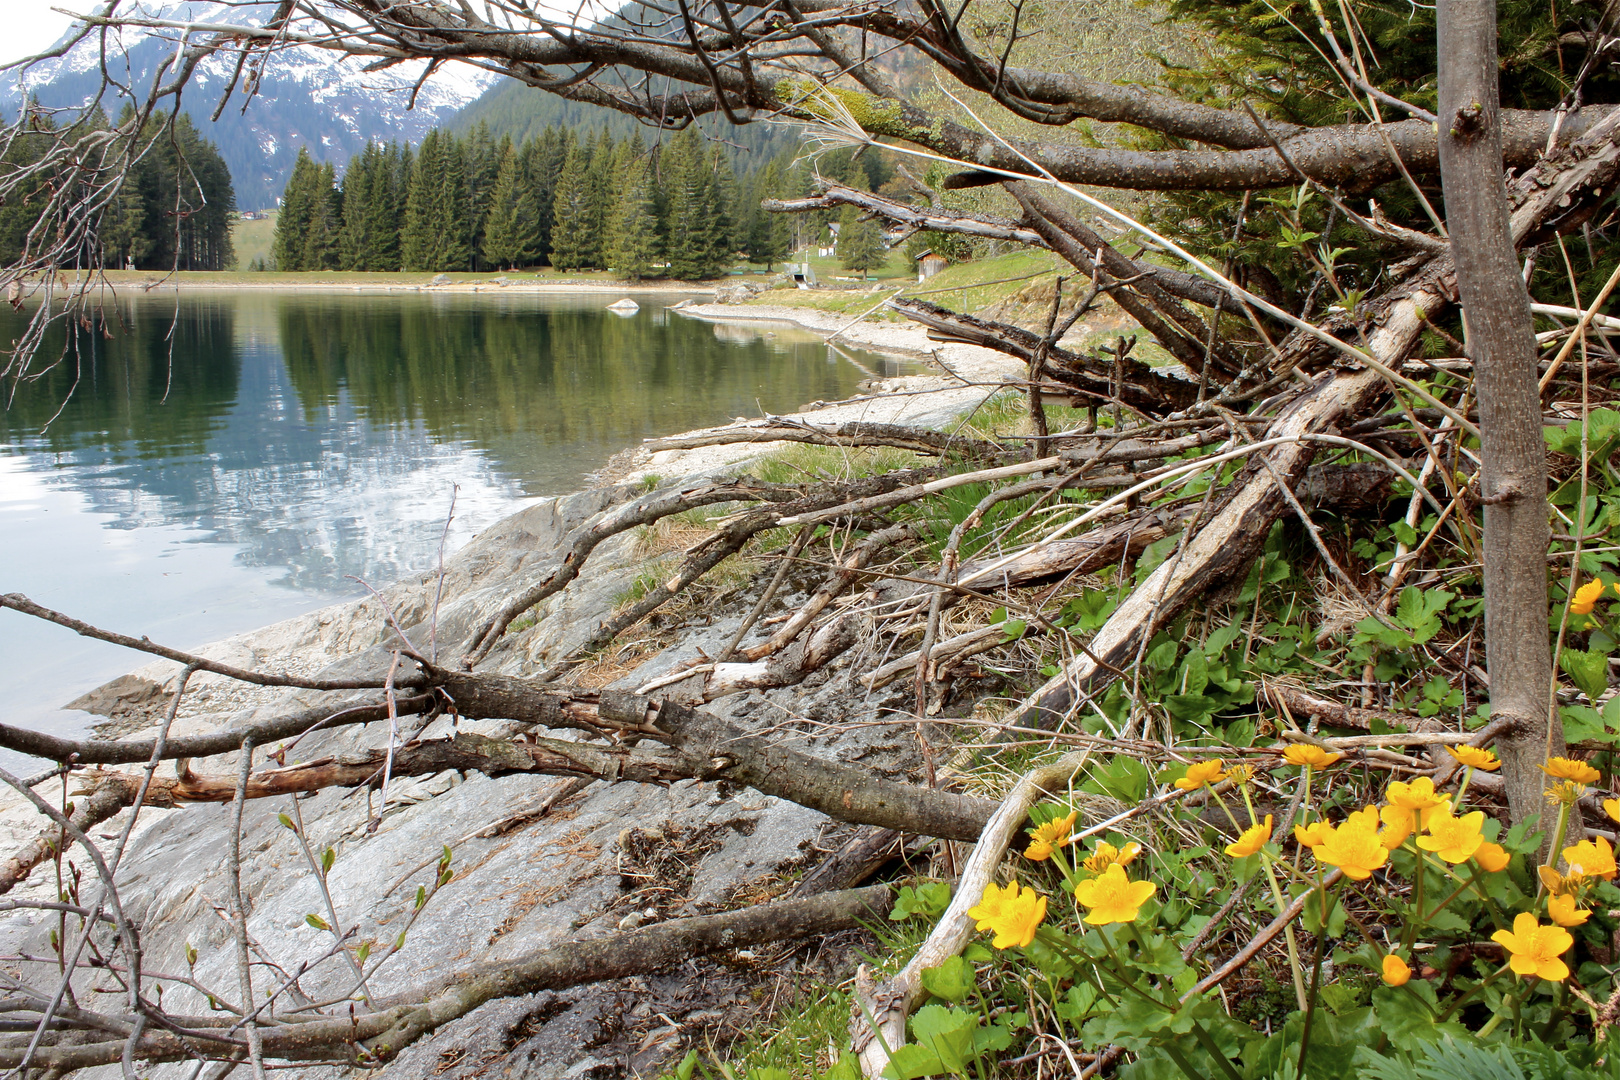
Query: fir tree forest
x=686 y=208
x=173 y=208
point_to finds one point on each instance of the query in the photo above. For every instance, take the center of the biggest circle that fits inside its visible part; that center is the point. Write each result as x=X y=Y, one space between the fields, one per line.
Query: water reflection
x=321 y=434
x=232 y=459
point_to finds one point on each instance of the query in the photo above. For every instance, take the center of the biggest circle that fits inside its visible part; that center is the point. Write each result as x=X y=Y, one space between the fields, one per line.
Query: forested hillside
x=686 y=209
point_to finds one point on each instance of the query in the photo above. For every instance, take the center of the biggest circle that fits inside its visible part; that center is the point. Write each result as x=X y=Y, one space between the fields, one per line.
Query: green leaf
x=328 y=857
x=910 y=1062
x=286 y=822
x=683 y=1071
x=928 y=900
x=846 y=1068
x=1588 y=670
x=1418 y=610
x=317 y=922
x=951 y=981
x=949 y=1033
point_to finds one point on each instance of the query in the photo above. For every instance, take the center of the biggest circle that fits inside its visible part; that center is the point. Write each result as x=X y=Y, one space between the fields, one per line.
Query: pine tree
x=481 y=163
x=575 y=233
x=298 y=204
x=635 y=214
x=686 y=184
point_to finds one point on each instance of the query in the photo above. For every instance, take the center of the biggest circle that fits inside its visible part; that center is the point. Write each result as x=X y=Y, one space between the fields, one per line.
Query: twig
x=233 y=874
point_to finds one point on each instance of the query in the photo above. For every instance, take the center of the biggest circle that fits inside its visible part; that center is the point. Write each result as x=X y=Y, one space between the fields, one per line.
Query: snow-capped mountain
x=308 y=97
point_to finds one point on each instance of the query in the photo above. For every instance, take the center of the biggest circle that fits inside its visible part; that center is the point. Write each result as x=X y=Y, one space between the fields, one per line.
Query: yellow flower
x=1563 y=768
x=1312 y=834
x=1396 y=970
x=1419 y=797
x=1585 y=596
x=1534 y=949
x=1107 y=855
x=1562 y=910
x=1397 y=826
x=1354 y=847
x=1201 y=773
x=1612 y=808
x=1113 y=897
x=1253 y=839
x=1491 y=857
x=1013 y=915
x=1565 y=793
x=1308 y=754
x=1044 y=839
x=1241 y=774
x=1475 y=757
x=1454 y=839
x=990 y=905
x=1557 y=884
x=1594 y=858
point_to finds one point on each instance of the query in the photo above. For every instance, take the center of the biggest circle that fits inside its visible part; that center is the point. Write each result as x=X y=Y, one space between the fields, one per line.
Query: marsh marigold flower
x=1107 y=855
x=1562 y=910
x=1492 y=857
x=1253 y=839
x=1454 y=839
x=1044 y=839
x=1563 y=768
x=1534 y=949
x=1312 y=834
x=1475 y=757
x=1595 y=858
x=1396 y=971
x=1398 y=823
x=1011 y=914
x=1418 y=797
x=1612 y=808
x=1308 y=754
x=1353 y=847
x=1585 y=596
x=1201 y=773
x=1113 y=897
x=1557 y=884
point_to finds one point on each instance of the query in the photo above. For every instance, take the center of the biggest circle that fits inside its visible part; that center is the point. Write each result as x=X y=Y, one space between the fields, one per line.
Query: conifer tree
x=416 y=241
x=575 y=233
x=297 y=206
x=543 y=165
x=768 y=237
x=686 y=183
x=321 y=234
x=452 y=211
x=354 y=240
x=635 y=214
x=860 y=242
x=511 y=228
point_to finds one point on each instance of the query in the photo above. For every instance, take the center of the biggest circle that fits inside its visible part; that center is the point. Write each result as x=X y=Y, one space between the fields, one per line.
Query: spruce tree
x=511 y=227
x=769 y=236
x=321 y=234
x=298 y=203
x=635 y=214
x=685 y=182
x=354 y=244
x=416 y=240
x=452 y=211
x=860 y=243
x=544 y=163
x=575 y=233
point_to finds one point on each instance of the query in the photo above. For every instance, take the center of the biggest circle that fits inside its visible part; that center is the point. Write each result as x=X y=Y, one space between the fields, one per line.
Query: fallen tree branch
x=401 y=1019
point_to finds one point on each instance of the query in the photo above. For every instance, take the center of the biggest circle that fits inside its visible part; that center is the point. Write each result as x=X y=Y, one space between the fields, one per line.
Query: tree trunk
x=1501 y=343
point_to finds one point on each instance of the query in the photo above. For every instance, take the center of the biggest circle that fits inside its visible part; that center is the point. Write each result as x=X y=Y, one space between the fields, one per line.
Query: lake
x=229 y=459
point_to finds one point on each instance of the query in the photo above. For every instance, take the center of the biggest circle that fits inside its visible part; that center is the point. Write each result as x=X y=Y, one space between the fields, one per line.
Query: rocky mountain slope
x=307 y=98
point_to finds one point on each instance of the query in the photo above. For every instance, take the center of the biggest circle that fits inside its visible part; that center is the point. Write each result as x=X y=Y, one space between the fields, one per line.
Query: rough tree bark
x=1501 y=343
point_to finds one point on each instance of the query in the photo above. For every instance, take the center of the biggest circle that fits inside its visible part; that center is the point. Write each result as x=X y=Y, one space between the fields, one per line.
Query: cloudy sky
x=31 y=25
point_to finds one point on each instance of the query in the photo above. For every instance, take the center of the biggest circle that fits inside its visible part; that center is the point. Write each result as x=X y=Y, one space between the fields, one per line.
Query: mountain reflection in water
x=314 y=437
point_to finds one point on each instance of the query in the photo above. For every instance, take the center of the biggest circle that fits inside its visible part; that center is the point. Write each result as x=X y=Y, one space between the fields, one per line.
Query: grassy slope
x=252 y=240
x=966 y=287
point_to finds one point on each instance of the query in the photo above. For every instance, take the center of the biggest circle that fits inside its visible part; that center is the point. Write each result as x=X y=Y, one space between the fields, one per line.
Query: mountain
x=308 y=97
x=509 y=107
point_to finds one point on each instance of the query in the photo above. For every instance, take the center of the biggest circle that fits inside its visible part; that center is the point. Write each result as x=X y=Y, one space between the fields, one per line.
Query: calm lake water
x=232 y=459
